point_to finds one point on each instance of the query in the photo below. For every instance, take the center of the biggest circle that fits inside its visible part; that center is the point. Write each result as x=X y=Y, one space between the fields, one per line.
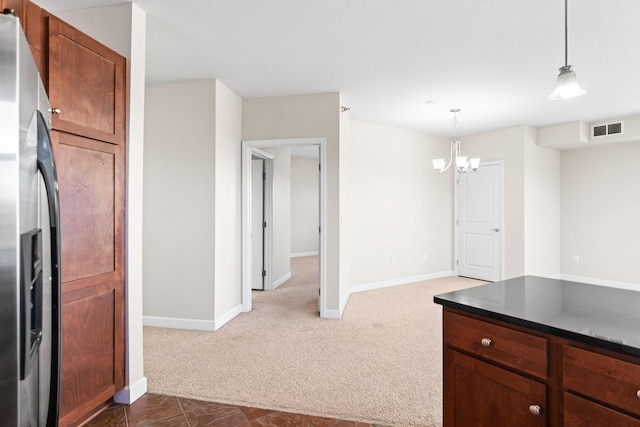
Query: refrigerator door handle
x=46 y=166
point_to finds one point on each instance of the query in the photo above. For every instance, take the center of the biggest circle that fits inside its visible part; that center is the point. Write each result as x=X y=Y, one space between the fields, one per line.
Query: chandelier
x=567 y=86
x=462 y=164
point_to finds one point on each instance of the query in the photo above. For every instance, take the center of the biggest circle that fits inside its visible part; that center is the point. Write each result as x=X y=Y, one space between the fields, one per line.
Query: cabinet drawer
x=609 y=380
x=519 y=350
x=580 y=412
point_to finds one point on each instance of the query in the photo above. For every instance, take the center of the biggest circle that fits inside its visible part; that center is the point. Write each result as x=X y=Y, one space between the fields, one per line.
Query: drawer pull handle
x=535 y=409
x=486 y=342
x=55 y=110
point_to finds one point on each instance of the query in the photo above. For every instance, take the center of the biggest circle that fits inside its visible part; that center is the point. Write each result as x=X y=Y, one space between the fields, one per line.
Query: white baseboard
x=337 y=314
x=300 y=254
x=177 y=323
x=399 y=281
x=333 y=314
x=191 y=324
x=281 y=280
x=132 y=392
x=600 y=282
x=227 y=317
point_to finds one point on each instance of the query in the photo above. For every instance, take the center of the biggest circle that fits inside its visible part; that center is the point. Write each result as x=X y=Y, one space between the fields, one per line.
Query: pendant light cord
x=566 y=45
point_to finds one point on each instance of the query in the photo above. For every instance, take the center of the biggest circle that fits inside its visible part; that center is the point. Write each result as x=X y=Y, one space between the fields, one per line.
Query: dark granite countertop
x=597 y=315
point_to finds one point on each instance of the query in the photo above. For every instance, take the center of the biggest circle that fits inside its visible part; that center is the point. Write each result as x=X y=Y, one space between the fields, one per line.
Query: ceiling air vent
x=606 y=129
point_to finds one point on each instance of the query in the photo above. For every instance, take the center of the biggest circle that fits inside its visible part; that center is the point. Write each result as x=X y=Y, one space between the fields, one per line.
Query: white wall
x=345 y=152
x=307 y=116
x=227 y=194
x=123 y=29
x=399 y=218
x=541 y=207
x=179 y=196
x=304 y=205
x=600 y=212
x=192 y=218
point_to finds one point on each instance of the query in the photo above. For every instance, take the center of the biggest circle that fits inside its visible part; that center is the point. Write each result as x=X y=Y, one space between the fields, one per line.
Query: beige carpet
x=381 y=363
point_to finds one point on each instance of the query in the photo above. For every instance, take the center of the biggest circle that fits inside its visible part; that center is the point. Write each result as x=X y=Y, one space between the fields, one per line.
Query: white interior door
x=480 y=225
x=257 y=224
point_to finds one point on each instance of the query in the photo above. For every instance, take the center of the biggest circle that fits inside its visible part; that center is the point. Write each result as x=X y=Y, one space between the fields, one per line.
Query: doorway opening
x=254 y=151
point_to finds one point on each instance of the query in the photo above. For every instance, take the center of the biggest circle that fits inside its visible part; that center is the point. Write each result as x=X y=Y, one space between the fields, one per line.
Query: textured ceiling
x=497 y=60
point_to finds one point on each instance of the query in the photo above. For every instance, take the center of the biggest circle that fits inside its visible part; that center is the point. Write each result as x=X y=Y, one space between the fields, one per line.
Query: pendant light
x=567 y=86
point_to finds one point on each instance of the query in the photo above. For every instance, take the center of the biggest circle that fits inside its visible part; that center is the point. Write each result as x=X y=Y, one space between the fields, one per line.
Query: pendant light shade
x=567 y=86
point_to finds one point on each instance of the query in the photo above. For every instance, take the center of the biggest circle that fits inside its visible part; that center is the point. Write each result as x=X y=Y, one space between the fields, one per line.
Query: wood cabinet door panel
x=85 y=79
x=579 y=412
x=88 y=206
x=92 y=348
x=486 y=395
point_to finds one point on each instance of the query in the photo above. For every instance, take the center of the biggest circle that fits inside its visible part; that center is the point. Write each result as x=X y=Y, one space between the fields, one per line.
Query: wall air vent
x=607 y=129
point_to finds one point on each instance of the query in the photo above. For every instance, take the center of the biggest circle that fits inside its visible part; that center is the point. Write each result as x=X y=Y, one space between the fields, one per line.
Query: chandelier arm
x=454 y=149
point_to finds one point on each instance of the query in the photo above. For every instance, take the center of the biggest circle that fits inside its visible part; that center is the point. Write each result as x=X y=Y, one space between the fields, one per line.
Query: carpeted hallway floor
x=380 y=364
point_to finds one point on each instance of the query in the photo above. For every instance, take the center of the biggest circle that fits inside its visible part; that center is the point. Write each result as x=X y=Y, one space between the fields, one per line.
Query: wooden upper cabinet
x=86 y=83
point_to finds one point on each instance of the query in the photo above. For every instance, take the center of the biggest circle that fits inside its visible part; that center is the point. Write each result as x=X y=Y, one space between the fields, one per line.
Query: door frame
x=457 y=217
x=267 y=202
x=248 y=149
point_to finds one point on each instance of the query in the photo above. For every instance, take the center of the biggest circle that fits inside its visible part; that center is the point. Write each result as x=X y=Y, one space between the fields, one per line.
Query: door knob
x=535 y=409
x=55 y=110
x=495 y=229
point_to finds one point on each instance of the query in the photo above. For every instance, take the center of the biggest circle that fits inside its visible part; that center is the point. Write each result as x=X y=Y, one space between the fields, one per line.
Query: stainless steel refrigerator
x=29 y=241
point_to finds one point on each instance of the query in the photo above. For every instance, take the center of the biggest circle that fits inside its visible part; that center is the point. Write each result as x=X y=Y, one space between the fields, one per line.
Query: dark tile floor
x=153 y=410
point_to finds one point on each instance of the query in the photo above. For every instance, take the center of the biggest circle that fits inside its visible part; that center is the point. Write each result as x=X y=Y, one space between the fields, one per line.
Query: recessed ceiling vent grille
x=607 y=129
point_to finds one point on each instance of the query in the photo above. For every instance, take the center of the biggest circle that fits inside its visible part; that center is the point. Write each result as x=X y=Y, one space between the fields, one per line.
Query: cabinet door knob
x=638 y=394
x=535 y=409
x=55 y=110
x=485 y=342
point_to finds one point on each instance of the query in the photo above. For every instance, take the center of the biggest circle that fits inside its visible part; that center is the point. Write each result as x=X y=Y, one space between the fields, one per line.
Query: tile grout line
x=184 y=414
x=126 y=417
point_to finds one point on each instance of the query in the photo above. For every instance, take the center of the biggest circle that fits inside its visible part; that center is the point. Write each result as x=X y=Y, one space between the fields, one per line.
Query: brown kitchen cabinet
x=85 y=81
x=493 y=377
x=493 y=374
x=87 y=85
x=569 y=351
